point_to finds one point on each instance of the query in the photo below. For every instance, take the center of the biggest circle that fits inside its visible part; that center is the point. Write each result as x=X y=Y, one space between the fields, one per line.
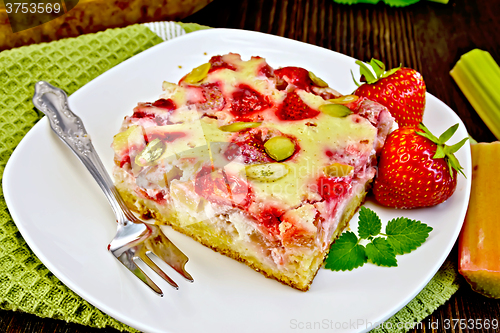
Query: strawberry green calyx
x=367 y=75
x=443 y=150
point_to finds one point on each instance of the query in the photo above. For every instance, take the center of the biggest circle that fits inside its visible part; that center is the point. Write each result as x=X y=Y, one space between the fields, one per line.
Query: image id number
x=471 y=323
x=33 y=8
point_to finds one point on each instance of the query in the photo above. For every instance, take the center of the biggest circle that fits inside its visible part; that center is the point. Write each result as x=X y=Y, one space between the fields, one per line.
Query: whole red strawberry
x=401 y=90
x=417 y=169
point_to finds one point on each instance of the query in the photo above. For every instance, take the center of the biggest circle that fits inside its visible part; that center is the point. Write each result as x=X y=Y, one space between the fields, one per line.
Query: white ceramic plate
x=67 y=222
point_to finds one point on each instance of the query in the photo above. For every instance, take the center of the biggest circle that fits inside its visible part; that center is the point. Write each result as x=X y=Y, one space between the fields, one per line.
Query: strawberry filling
x=219 y=188
x=163 y=136
x=232 y=152
x=158 y=197
x=295 y=234
x=294 y=108
x=264 y=69
x=268 y=220
x=214 y=98
x=218 y=62
x=138 y=114
x=246 y=101
x=150 y=111
x=167 y=104
x=125 y=159
x=332 y=188
x=240 y=191
x=299 y=77
x=251 y=146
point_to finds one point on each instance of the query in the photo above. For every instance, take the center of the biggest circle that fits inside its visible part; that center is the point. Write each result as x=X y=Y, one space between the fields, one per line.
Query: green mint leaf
x=380 y=252
x=369 y=223
x=405 y=235
x=346 y=253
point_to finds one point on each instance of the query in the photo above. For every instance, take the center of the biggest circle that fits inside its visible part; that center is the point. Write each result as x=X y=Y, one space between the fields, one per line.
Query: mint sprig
x=347 y=254
x=402 y=235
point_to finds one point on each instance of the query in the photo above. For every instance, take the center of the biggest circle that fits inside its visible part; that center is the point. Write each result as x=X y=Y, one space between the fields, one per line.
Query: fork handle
x=53 y=102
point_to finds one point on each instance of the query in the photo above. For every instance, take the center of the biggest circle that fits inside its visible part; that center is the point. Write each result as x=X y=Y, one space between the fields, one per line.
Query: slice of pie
x=266 y=166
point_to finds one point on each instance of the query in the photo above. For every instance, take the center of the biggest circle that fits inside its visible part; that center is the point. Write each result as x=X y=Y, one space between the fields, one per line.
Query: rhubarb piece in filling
x=265 y=166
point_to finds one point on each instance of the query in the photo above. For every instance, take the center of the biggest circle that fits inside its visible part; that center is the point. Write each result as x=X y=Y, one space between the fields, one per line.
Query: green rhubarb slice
x=478 y=76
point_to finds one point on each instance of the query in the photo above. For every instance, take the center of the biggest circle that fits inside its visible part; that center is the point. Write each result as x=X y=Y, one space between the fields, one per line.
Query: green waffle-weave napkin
x=25 y=283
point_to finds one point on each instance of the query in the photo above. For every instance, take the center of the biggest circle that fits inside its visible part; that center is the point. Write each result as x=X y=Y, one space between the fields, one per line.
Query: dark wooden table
x=427 y=36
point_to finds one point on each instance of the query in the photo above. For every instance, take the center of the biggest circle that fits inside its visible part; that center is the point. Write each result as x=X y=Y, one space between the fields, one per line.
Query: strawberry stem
x=366 y=72
x=377 y=67
x=356 y=82
x=443 y=150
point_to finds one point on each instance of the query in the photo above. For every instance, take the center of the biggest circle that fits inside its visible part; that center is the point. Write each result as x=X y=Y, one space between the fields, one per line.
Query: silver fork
x=135 y=240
